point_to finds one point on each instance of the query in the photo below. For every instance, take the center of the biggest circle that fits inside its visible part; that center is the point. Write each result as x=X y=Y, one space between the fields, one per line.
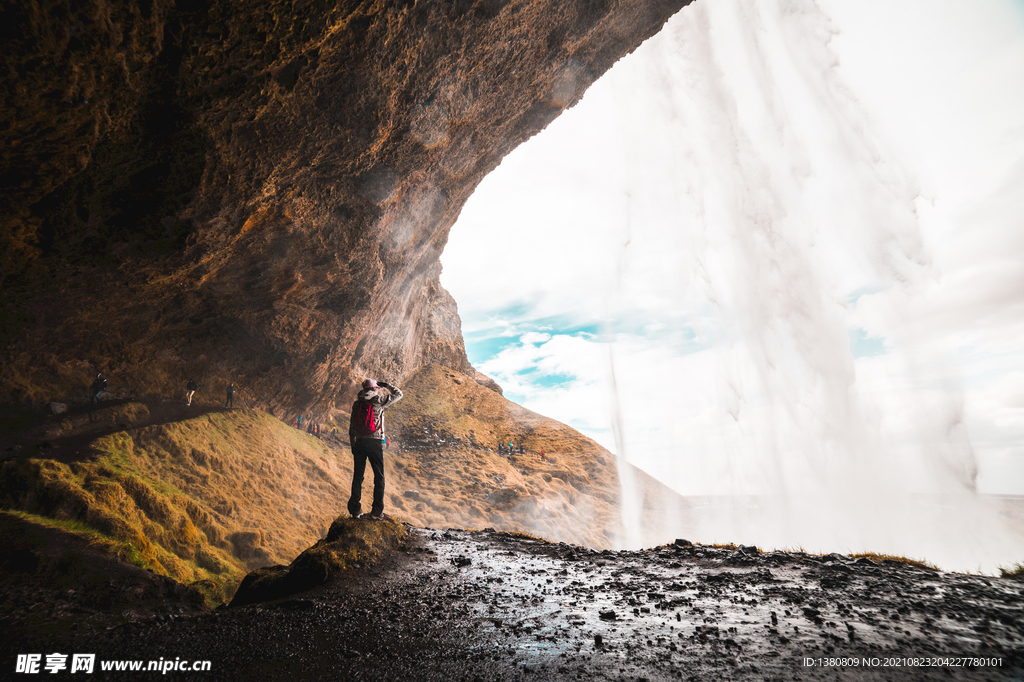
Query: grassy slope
x=202 y=500
x=206 y=499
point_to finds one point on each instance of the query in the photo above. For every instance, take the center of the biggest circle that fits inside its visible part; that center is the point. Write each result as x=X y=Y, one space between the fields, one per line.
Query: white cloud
x=534 y=337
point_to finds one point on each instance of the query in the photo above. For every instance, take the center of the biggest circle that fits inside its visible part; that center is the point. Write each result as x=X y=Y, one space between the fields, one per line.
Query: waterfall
x=763 y=265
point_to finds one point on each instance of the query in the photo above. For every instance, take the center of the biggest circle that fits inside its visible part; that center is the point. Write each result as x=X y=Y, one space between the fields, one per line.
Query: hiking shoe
x=359 y=516
x=376 y=517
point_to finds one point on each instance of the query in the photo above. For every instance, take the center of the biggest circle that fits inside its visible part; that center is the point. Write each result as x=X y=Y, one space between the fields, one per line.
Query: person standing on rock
x=230 y=402
x=190 y=388
x=366 y=436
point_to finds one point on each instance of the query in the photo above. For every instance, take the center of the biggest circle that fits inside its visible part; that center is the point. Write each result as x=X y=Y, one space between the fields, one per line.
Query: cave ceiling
x=260 y=191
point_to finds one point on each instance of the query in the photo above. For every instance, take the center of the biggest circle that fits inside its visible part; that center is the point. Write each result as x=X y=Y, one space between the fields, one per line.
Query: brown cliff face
x=260 y=192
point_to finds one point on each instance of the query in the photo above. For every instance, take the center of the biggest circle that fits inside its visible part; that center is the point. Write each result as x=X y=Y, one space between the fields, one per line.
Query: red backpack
x=363 y=422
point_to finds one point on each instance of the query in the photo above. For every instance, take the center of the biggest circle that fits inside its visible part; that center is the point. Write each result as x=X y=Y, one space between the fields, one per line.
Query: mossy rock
x=349 y=542
x=263 y=584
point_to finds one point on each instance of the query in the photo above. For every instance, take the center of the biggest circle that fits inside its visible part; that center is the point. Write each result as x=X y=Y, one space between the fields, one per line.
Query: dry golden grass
x=202 y=501
x=916 y=563
x=522 y=535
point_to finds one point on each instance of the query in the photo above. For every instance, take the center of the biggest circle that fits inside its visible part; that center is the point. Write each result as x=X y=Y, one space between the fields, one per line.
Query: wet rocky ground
x=484 y=605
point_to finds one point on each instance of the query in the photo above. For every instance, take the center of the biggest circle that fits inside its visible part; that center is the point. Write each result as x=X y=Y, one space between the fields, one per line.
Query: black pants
x=367 y=449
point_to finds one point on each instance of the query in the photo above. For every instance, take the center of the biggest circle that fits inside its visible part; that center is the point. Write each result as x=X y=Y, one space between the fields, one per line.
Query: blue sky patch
x=480 y=350
x=855 y=295
x=863 y=346
x=537 y=378
x=484 y=344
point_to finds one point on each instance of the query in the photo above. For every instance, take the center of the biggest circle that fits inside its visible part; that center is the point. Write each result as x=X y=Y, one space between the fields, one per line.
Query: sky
x=777 y=250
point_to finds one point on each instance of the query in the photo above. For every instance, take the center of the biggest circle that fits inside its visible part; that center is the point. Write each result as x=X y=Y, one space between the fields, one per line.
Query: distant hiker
x=190 y=388
x=299 y=422
x=542 y=456
x=230 y=402
x=99 y=384
x=501 y=449
x=366 y=436
x=522 y=449
x=511 y=449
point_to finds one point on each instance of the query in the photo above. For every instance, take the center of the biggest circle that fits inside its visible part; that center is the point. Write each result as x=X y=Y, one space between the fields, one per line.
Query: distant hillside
x=448 y=472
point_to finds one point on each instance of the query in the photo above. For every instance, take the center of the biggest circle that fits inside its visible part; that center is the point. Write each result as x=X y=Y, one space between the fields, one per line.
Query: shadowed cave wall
x=260 y=192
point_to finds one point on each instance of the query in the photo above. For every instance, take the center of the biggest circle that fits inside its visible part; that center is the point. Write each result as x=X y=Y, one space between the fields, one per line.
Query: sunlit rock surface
x=260 y=192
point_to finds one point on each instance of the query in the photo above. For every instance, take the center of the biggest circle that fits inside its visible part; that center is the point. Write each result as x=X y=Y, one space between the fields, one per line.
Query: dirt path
x=35 y=435
x=491 y=606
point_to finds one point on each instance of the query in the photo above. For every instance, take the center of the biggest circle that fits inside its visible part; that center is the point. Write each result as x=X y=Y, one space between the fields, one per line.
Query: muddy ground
x=468 y=605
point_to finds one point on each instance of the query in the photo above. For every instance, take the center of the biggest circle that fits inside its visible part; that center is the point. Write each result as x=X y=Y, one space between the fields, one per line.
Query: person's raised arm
x=396 y=393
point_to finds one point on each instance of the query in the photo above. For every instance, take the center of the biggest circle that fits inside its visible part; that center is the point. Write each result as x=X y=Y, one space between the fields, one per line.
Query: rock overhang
x=262 y=192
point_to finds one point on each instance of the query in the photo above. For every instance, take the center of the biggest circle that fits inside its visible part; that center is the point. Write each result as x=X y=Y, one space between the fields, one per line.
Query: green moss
x=1015 y=571
x=154 y=493
x=125 y=550
x=69 y=525
x=145 y=522
x=349 y=542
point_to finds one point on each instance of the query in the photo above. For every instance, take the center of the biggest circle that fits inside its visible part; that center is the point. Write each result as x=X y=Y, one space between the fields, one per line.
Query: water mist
x=796 y=238
x=719 y=265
